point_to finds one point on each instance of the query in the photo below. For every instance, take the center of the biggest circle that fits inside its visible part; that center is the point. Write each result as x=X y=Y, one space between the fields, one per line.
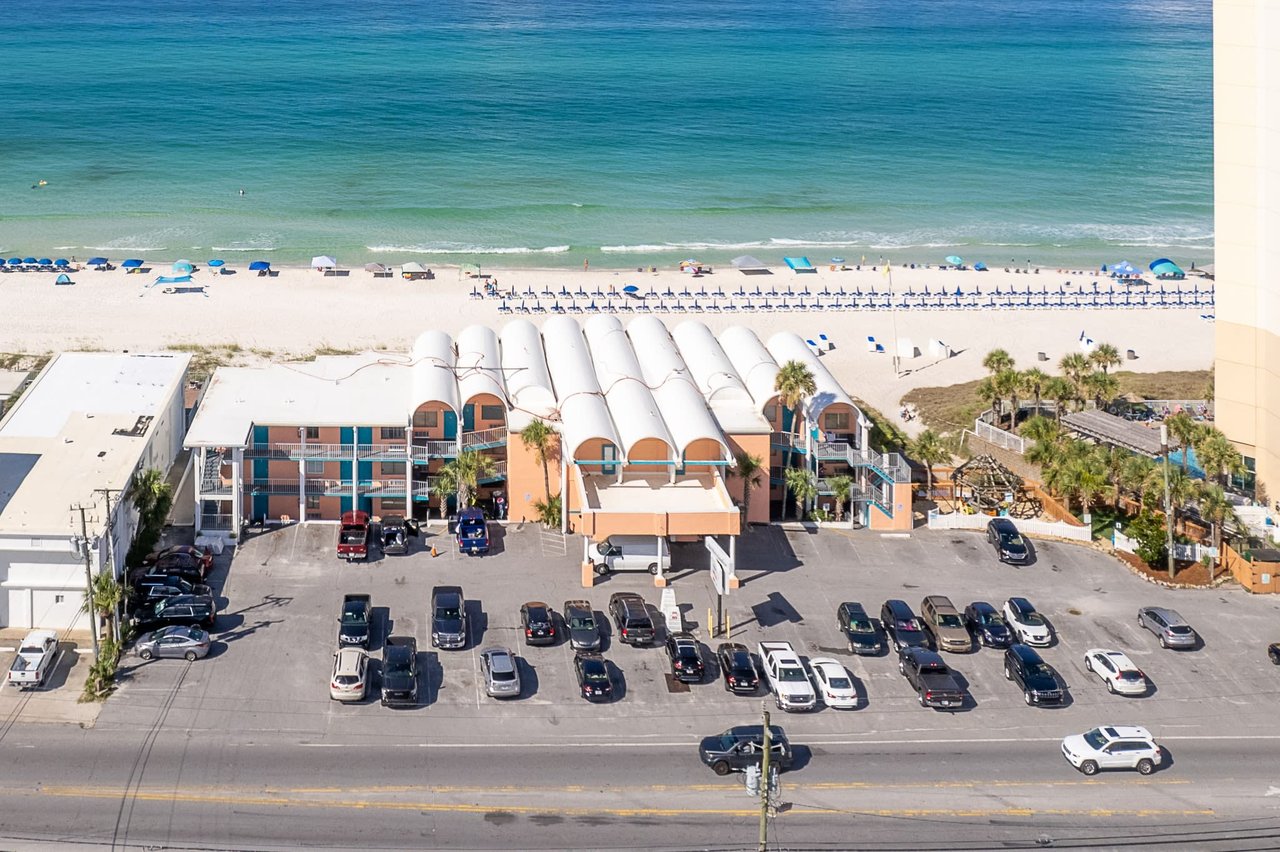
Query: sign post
x=721 y=571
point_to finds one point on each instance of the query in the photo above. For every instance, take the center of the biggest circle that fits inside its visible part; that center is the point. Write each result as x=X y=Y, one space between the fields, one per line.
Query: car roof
x=1025 y=653
x=853 y=608
x=349 y=658
x=1002 y=525
x=1021 y=603
x=733 y=648
x=899 y=608
x=940 y=602
x=1169 y=615
x=922 y=655
x=982 y=606
x=1125 y=732
x=501 y=660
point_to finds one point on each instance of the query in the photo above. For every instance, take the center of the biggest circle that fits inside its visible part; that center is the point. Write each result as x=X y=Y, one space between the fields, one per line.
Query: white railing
x=1192 y=552
x=383 y=452
x=484 y=437
x=426 y=450
x=217 y=522
x=961 y=521
x=999 y=437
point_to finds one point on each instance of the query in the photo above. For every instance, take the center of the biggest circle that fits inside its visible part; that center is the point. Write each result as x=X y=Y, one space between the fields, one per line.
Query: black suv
x=400 y=672
x=859 y=630
x=151 y=586
x=738 y=668
x=1009 y=544
x=184 y=610
x=686 y=658
x=1034 y=676
x=448 y=618
x=743 y=746
x=631 y=618
x=901 y=626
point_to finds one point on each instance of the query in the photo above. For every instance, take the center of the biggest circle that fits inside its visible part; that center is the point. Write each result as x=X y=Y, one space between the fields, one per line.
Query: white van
x=632 y=553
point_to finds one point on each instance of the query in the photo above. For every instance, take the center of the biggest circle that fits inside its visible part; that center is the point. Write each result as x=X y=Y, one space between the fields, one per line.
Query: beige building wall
x=1246 y=94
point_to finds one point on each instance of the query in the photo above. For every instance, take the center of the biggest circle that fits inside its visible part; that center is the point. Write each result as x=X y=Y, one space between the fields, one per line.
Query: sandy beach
x=299 y=311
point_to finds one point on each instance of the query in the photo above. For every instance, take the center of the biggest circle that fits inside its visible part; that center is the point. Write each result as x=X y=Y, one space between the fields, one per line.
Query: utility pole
x=111 y=556
x=88 y=575
x=1168 y=509
x=764 y=788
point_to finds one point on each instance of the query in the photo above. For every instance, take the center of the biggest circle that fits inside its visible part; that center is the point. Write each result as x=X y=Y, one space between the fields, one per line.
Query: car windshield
x=1032 y=617
x=1012 y=540
x=742 y=661
x=1040 y=670
x=581 y=622
x=346 y=680
x=950 y=621
x=989 y=619
x=791 y=675
x=908 y=626
x=861 y=625
x=1095 y=739
x=353 y=616
x=504 y=676
x=449 y=613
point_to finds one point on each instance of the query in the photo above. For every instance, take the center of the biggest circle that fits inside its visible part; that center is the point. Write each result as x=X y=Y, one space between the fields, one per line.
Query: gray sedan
x=190 y=643
x=501 y=675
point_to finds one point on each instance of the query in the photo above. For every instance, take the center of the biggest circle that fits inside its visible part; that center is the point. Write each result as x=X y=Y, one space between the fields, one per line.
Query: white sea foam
x=243 y=248
x=124 y=247
x=460 y=248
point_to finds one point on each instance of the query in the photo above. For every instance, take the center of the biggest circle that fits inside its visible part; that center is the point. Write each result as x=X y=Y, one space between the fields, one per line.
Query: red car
x=204 y=558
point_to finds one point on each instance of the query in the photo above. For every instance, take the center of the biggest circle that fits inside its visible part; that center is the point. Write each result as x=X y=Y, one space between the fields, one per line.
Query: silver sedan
x=190 y=643
x=501 y=674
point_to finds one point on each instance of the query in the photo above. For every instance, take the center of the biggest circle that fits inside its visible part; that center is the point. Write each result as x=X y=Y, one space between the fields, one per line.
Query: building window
x=313 y=433
x=392 y=433
x=426 y=419
x=834 y=420
x=59 y=598
x=771 y=412
x=491 y=412
x=392 y=504
x=393 y=468
x=313 y=502
x=315 y=468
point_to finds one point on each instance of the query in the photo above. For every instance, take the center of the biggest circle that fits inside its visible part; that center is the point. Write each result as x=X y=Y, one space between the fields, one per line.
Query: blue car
x=472 y=532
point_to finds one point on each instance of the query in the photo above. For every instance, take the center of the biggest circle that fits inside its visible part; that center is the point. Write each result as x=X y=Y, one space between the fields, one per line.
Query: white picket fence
x=1184 y=552
x=999 y=437
x=961 y=521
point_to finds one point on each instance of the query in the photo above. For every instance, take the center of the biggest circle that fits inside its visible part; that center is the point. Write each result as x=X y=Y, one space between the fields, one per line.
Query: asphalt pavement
x=245 y=751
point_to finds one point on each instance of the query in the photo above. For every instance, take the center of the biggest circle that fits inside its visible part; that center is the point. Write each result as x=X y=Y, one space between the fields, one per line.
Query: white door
x=19 y=608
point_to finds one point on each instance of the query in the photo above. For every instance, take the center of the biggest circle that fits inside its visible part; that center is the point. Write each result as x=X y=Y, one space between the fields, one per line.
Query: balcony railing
x=382 y=487
x=215 y=486
x=314 y=485
x=499 y=472
x=890 y=466
x=424 y=451
x=294 y=452
x=217 y=522
x=383 y=452
x=484 y=439
x=425 y=490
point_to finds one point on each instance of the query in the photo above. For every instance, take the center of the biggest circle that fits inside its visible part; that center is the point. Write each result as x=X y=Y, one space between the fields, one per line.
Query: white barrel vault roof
x=434 y=379
x=683 y=407
x=631 y=405
x=787 y=346
x=755 y=366
x=479 y=364
x=583 y=413
x=708 y=364
x=524 y=368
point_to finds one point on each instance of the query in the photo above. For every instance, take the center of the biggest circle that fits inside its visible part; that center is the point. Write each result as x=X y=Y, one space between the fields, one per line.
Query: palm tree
x=793 y=383
x=929 y=450
x=463 y=475
x=1105 y=356
x=1135 y=472
x=841 y=488
x=1183 y=428
x=1217 y=510
x=1103 y=387
x=1075 y=367
x=1007 y=384
x=537 y=436
x=1218 y=456
x=1112 y=460
x=1061 y=392
x=105 y=598
x=1033 y=382
x=152 y=496
x=997 y=361
x=989 y=392
x=1087 y=477
x=749 y=469
x=803 y=487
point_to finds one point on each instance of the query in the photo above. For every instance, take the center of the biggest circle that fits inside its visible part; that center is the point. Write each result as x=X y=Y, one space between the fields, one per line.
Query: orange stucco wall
x=525 y=482
x=650 y=449
x=483 y=399
x=755 y=445
x=838 y=408
x=601 y=526
x=901 y=520
x=704 y=449
x=436 y=432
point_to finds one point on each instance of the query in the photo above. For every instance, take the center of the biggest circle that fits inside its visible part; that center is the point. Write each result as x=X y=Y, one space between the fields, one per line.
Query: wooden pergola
x=989 y=488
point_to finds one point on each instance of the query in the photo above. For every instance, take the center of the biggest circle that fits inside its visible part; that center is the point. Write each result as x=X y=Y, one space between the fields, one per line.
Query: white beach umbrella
x=323 y=262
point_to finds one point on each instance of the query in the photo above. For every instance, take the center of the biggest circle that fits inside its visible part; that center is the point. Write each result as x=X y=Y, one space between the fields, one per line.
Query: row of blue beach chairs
x=845 y=300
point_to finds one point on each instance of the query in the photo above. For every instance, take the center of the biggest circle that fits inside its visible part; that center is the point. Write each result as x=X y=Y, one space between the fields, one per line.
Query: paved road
x=163 y=789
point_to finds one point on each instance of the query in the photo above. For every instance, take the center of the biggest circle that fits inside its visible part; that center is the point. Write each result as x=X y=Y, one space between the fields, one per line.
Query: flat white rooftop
x=82 y=425
x=654 y=493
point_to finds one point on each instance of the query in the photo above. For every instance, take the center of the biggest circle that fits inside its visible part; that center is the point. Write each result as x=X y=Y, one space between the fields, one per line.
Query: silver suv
x=1170 y=628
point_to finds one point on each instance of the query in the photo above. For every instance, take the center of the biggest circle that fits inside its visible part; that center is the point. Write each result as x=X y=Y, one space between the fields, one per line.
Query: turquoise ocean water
x=641 y=132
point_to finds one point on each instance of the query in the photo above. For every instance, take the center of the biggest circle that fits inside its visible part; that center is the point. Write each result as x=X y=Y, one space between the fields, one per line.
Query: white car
x=835 y=686
x=350 y=679
x=1116 y=670
x=1113 y=747
x=1027 y=625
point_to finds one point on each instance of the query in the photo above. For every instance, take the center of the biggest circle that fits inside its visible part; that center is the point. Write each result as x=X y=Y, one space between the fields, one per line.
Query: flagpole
x=893 y=313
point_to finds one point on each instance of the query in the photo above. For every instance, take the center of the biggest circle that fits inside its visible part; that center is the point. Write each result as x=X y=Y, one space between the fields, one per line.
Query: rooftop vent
x=139 y=429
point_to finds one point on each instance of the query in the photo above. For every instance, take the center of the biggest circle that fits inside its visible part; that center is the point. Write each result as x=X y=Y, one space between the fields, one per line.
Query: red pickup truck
x=353 y=536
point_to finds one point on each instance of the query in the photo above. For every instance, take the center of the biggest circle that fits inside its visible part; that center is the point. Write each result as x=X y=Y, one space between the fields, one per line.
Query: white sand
x=301 y=310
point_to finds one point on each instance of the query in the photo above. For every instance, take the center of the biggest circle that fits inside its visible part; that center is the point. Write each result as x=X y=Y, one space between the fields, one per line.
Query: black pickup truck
x=932 y=679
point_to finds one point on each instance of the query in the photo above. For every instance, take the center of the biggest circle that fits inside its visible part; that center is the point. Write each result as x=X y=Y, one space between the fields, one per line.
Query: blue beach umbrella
x=837 y=260
x=96 y=261
x=215 y=263
x=131 y=263
x=259 y=265
x=29 y=260
x=62 y=261
x=631 y=288
x=954 y=260
x=183 y=267
x=45 y=261
x=15 y=261
x=980 y=267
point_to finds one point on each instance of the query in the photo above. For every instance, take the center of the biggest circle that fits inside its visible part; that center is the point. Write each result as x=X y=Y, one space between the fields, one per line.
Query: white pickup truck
x=36 y=657
x=788 y=680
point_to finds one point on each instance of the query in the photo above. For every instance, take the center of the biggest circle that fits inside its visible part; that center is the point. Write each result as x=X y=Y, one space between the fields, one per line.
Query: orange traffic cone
x=434 y=554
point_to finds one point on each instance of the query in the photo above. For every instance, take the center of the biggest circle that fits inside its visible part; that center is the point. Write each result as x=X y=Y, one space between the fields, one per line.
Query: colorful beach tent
x=259 y=266
x=323 y=261
x=1166 y=268
x=64 y=278
x=980 y=267
x=748 y=264
x=183 y=267
x=799 y=264
x=131 y=263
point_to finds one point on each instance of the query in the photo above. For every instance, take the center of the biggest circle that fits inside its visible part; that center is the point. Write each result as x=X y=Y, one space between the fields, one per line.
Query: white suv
x=1113 y=747
x=1027 y=625
x=1116 y=670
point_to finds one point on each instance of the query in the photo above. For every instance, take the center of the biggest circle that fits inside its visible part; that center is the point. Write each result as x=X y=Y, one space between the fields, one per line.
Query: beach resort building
x=1246 y=99
x=645 y=421
x=75 y=438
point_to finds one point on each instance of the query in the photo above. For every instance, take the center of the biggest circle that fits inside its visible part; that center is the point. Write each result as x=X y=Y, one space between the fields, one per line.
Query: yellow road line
x=267 y=799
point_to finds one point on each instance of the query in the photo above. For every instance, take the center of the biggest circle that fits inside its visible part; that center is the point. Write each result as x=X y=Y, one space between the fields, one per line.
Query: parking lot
x=280 y=596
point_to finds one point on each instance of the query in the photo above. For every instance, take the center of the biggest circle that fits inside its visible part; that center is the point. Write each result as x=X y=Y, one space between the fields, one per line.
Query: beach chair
x=574 y=308
x=597 y=293
x=522 y=308
x=712 y=308
x=747 y=306
x=685 y=294
x=581 y=294
x=503 y=307
x=556 y=309
x=564 y=292
x=476 y=294
x=537 y=307
x=680 y=307
x=741 y=293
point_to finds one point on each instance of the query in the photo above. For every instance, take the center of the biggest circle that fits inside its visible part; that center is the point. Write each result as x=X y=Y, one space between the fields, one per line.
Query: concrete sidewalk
x=57 y=702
